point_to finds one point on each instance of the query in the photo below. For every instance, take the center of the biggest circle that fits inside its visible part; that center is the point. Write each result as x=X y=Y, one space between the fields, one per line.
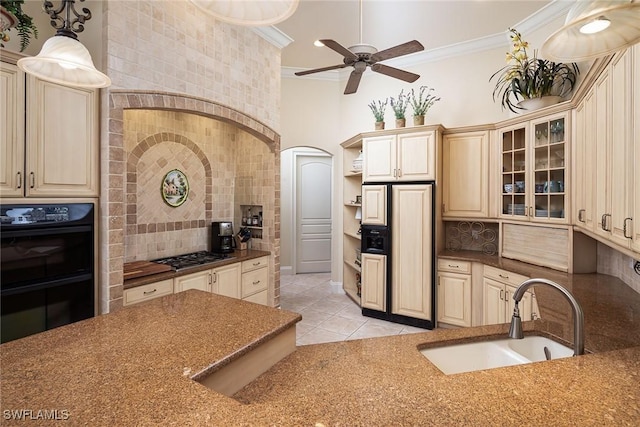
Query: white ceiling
x=387 y=23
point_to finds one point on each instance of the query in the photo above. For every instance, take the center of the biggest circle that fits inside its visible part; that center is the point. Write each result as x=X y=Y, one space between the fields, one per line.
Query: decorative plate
x=175 y=188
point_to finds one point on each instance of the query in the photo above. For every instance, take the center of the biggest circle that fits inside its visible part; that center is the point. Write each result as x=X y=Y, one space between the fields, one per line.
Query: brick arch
x=132 y=179
x=114 y=171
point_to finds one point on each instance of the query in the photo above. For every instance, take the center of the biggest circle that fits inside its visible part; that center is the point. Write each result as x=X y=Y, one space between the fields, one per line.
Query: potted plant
x=399 y=107
x=23 y=23
x=378 y=108
x=421 y=103
x=525 y=78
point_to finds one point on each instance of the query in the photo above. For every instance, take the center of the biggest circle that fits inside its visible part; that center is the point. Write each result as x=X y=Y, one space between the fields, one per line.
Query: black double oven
x=47 y=273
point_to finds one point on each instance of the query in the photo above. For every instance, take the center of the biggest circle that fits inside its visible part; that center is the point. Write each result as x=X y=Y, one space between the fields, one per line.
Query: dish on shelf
x=508 y=188
x=550 y=214
x=516 y=209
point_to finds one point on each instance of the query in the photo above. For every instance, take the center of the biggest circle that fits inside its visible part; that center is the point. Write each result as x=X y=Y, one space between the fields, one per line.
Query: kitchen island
x=135 y=367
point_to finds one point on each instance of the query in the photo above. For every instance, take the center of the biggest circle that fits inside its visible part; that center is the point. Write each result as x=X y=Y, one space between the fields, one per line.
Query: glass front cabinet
x=535 y=170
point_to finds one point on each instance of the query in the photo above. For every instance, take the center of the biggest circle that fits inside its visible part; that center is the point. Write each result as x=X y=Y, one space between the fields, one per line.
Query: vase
x=537 y=103
x=379 y=125
x=400 y=123
x=418 y=120
x=7 y=19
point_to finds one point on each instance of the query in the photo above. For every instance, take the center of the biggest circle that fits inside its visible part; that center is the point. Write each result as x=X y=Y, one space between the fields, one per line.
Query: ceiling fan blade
x=353 y=82
x=317 y=70
x=334 y=45
x=402 y=49
x=395 y=72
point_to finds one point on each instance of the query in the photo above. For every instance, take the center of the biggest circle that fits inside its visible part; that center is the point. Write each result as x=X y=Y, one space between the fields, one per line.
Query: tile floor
x=328 y=314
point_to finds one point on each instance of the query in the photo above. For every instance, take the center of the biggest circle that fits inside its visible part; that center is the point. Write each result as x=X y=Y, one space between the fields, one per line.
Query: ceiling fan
x=361 y=56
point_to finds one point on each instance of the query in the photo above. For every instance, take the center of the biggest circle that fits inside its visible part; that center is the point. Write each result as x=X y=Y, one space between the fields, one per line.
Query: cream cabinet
x=11 y=130
x=498 y=287
x=374 y=204
x=465 y=175
x=454 y=292
x=374 y=284
x=412 y=272
x=225 y=280
x=534 y=170
x=584 y=161
x=614 y=148
x=147 y=292
x=635 y=225
x=61 y=129
x=607 y=155
x=255 y=280
x=400 y=157
x=201 y=280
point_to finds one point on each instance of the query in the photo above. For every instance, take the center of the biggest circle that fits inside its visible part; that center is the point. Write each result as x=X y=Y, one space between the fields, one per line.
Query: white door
x=313 y=214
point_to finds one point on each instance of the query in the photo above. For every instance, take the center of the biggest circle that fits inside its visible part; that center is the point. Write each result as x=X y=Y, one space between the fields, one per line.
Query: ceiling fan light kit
x=594 y=28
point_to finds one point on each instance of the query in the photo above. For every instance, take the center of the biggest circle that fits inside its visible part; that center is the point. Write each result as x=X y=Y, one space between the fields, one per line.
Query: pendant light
x=593 y=29
x=63 y=59
x=253 y=13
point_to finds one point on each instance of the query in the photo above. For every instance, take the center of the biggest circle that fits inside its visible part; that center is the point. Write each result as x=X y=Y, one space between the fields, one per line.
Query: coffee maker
x=222 y=237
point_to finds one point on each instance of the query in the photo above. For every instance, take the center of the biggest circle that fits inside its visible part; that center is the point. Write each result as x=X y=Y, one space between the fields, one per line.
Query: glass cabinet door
x=549 y=149
x=513 y=147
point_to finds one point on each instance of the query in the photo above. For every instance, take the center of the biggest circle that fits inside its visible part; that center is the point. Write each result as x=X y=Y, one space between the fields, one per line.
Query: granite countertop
x=134 y=367
x=236 y=256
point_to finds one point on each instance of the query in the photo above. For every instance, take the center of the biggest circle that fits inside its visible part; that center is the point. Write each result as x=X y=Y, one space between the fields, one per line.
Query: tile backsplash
x=225 y=167
x=617 y=264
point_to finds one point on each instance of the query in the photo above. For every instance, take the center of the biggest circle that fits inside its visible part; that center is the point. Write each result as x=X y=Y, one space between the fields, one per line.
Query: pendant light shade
x=593 y=29
x=63 y=59
x=66 y=61
x=254 y=13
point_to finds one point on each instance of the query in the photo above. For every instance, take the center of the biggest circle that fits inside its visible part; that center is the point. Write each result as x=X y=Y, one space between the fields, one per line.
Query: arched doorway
x=306 y=210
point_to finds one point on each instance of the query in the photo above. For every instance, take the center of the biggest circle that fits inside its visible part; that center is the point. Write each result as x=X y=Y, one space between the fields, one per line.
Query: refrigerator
x=397 y=251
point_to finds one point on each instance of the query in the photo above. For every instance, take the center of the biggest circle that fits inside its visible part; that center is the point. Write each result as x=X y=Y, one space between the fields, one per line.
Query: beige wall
x=179 y=59
x=225 y=167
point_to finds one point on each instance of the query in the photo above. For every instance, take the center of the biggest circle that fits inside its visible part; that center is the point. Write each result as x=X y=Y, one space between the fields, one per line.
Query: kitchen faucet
x=515 y=331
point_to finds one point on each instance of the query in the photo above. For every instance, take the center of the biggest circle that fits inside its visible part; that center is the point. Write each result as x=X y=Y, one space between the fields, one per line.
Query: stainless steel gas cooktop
x=194 y=259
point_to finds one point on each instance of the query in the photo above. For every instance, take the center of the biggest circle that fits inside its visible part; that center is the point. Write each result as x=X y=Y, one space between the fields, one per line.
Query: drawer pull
x=256 y=282
x=149 y=292
x=503 y=276
x=453 y=266
x=624 y=228
x=255 y=264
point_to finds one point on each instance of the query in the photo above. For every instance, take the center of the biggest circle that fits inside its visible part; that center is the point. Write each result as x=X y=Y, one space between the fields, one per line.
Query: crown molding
x=539 y=18
x=273 y=36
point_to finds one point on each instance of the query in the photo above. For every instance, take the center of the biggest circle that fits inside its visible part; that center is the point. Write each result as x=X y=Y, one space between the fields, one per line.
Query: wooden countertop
x=134 y=367
x=237 y=256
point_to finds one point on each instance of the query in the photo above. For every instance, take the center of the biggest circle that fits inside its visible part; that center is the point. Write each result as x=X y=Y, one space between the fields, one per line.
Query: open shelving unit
x=352 y=207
